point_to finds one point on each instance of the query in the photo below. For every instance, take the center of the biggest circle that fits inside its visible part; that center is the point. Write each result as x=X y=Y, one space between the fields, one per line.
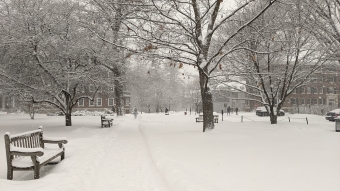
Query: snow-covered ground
x=158 y=152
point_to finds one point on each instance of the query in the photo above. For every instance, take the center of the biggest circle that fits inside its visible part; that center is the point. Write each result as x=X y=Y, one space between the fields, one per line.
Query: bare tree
x=183 y=32
x=46 y=57
x=279 y=56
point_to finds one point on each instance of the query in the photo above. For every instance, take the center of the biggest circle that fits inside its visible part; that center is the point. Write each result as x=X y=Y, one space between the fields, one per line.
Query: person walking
x=135 y=112
x=236 y=110
x=228 y=110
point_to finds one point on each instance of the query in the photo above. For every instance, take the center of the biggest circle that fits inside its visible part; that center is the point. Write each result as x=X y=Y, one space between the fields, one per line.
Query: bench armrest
x=26 y=151
x=55 y=140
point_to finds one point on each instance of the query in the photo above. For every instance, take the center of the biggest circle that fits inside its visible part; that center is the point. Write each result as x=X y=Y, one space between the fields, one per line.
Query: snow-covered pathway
x=126 y=142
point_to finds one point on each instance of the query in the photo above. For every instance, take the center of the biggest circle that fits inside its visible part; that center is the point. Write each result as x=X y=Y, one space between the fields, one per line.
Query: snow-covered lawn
x=169 y=152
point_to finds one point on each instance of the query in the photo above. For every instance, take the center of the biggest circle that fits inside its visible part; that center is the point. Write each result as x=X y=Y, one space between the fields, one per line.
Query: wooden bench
x=106 y=122
x=26 y=151
x=200 y=119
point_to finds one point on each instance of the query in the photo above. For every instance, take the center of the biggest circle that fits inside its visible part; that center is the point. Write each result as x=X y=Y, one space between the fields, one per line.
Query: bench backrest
x=31 y=139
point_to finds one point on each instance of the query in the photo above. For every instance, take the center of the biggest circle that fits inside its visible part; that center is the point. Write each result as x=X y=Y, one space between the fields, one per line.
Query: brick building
x=103 y=100
x=322 y=92
x=319 y=95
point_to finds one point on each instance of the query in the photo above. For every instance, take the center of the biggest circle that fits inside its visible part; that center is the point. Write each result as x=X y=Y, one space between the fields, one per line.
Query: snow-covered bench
x=106 y=122
x=200 y=118
x=26 y=151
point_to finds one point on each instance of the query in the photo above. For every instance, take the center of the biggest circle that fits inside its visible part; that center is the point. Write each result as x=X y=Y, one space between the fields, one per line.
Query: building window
x=308 y=101
x=81 y=102
x=91 y=102
x=99 y=101
x=314 y=90
x=302 y=101
x=321 y=90
x=320 y=101
x=330 y=90
x=314 y=101
x=308 y=90
x=302 y=90
x=292 y=101
x=110 y=101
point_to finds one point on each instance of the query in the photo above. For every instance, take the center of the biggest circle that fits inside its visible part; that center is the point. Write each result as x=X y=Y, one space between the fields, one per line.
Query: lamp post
x=170 y=99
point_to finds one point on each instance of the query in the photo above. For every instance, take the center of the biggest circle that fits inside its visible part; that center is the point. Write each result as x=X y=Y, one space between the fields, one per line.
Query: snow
x=25 y=150
x=26 y=161
x=23 y=133
x=204 y=63
x=54 y=138
x=170 y=152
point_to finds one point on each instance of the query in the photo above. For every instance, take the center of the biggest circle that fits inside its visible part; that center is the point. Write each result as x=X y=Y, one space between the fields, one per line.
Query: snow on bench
x=26 y=151
x=106 y=122
x=200 y=118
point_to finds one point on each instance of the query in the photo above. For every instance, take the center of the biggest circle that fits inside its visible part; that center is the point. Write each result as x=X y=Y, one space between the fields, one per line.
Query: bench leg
x=36 y=172
x=62 y=156
x=9 y=173
x=36 y=167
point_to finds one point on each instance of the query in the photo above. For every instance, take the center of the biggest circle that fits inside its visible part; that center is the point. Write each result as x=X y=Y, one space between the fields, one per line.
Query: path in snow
x=111 y=170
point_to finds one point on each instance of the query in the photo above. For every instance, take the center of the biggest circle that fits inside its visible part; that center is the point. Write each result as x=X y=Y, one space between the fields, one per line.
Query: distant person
x=236 y=110
x=228 y=110
x=166 y=110
x=135 y=112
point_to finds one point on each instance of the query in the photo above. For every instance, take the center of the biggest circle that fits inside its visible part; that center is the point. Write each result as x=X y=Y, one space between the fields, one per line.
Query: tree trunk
x=208 y=117
x=69 y=106
x=273 y=118
x=119 y=92
x=31 y=110
x=208 y=109
x=119 y=97
x=68 y=120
